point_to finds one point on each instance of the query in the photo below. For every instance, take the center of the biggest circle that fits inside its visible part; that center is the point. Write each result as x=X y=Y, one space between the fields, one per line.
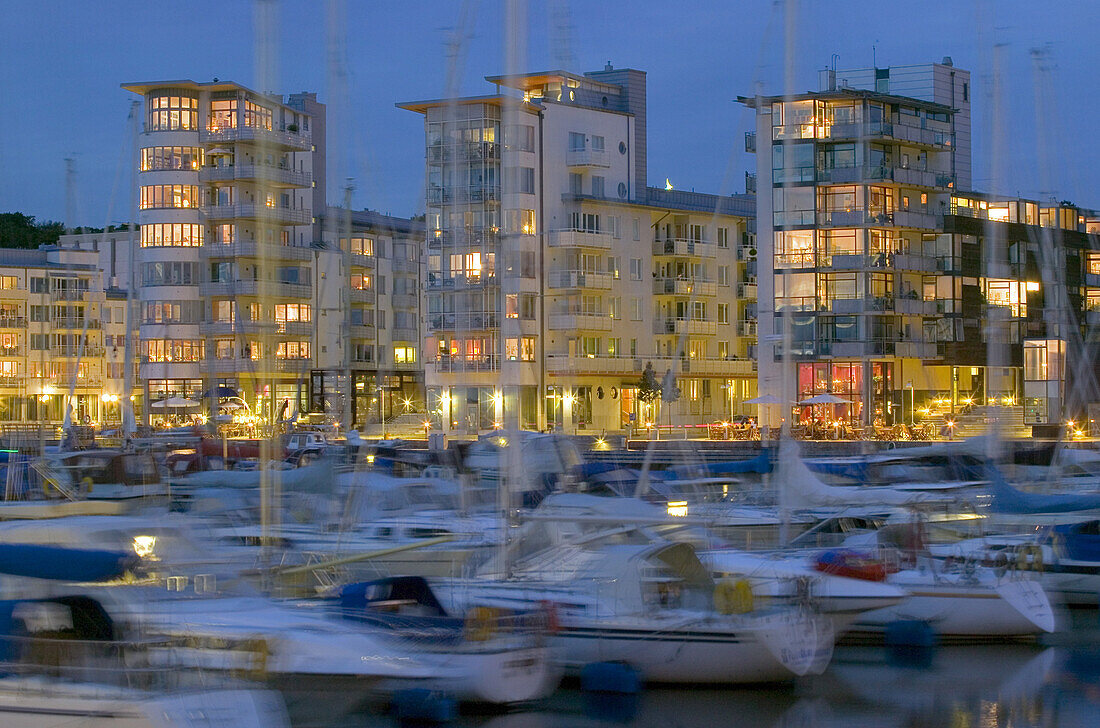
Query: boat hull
x=1017 y=608
x=43 y=703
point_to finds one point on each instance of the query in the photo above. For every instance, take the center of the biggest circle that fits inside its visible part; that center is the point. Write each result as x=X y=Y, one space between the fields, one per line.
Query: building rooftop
x=144 y=87
x=847 y=93
x=737 y=205
x=372 y=219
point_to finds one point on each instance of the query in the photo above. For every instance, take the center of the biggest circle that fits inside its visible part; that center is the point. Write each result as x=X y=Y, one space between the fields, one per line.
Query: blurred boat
x=655 y=608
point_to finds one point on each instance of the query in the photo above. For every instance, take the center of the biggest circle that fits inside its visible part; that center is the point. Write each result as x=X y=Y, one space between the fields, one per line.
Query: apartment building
x=369 y=272
x=226 y=198
x=361 y=321
x=887 y=282
x=53 y=314
x=555 y=274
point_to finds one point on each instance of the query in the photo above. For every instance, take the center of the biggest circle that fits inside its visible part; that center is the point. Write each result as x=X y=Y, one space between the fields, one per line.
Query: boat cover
x=1081 y=540
x=64 y=564
x=1007 y=499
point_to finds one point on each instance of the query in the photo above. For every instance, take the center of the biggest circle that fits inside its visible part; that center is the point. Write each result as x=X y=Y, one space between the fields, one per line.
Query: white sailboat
x=654 y=607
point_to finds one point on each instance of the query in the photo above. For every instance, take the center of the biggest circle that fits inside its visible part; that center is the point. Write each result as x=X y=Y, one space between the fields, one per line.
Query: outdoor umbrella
x=220 y=391
x=766 y=399
x=824 y=399
x=175 y=403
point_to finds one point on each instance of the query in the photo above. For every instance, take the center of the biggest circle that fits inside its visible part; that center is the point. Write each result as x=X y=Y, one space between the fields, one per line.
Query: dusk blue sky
x=61 y=64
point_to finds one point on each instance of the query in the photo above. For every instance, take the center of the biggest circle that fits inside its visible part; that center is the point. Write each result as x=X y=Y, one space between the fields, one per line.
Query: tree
x=21 y=231
x=669 y=391
x=649 y=388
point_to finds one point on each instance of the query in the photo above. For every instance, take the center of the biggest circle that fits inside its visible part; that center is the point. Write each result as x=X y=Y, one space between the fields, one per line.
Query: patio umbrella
x=824 y=399
x=175 y=403
x=220 y=391
x=766 y=399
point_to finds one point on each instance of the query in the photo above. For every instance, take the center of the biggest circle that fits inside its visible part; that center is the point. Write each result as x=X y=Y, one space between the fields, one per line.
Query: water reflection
x=1003 y=686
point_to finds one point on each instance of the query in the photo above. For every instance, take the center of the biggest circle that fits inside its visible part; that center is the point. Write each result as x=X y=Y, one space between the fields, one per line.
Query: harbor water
x=1051 y=684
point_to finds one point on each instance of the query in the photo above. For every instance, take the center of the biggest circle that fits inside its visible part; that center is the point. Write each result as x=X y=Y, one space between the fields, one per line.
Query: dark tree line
x=23 y=231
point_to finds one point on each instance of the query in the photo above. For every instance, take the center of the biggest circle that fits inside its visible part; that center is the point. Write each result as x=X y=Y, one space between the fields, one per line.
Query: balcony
x=75 y=323
x=746 y=328
x=71 y=352
x=359 y=260
x=404 y=333
x=363 y=331
x=467 y=152
x=476 y=321
x=362 y=295
x=14 y=350
x=255 y=288
x=586 y=158
x=684 y=326
x=684 y=248
x=65 y=381
x=13 y=322
x=916 y=177
x=266 y=213
x=272 y=174
x=914 y=219
x=447 y=364
x=870 y=304
x=684 y=287
x=293 y=140
x=897 y=129
x=915 y=350
x=579 y=322
x=622 y=366
x=230 y=328
x=404 y=265
x=580 y=239
x=580 y=279
x=901 y=175
x=1091 y=279
x=919 y=263
x=463 y=193
x=746 y=290
x=914 y=307
x=254 y=249
x=408 y=301
x=69 y=294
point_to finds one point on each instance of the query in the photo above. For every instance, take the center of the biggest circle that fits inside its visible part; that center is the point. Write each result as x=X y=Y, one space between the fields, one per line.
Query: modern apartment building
x=226 y=196
x=555 y=274
x=888 y=284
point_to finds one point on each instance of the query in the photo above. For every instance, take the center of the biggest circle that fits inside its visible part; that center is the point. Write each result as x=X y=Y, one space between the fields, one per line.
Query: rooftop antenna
x=70 y=194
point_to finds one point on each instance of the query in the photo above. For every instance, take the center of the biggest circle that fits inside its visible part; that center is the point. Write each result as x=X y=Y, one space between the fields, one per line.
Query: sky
x=61 y=63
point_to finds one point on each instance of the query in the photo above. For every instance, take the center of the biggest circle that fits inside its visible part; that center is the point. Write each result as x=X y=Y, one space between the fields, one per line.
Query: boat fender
x=86 y=484
x=419 y=705
x=733 y=597
x=610 y=677
x=480 y=623
x=550 y=609
x=1000 y=564
x=1030 y=556
x=910 y=633
x=259 y=652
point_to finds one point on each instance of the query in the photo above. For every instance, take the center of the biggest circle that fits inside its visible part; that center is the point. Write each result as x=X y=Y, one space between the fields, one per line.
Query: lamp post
x=912 y=403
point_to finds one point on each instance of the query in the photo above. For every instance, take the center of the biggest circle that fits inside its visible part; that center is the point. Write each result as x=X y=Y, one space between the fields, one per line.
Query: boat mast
x=128 y=421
